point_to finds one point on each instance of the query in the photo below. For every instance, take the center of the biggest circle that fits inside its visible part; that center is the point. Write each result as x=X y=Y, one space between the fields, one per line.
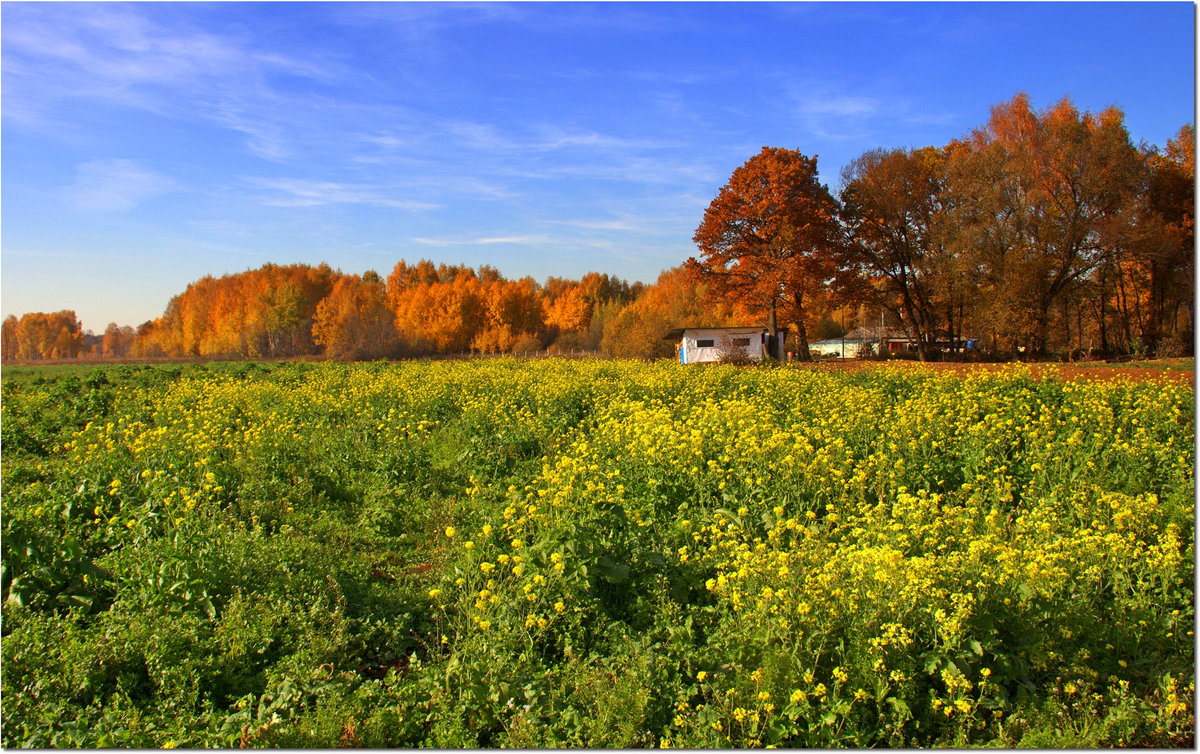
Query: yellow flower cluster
x=821 y=508
x=847 y=542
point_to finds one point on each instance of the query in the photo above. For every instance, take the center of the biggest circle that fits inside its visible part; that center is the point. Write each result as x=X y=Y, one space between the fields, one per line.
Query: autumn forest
x=1040 y=232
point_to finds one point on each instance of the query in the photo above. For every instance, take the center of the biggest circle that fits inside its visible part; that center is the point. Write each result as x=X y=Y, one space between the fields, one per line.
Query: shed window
x=705 y=343
x=742 y=342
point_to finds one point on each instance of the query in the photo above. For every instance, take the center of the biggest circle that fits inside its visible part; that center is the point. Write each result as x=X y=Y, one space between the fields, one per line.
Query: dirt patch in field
x=1064 y=371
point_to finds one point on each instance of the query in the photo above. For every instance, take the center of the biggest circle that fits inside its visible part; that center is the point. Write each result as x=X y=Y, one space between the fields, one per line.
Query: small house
x=868 y=340
x=864 y=340
x=842 y=348
x=696 y=345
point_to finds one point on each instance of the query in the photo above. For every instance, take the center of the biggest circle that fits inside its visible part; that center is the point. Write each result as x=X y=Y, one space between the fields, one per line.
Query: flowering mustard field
x=595 y=554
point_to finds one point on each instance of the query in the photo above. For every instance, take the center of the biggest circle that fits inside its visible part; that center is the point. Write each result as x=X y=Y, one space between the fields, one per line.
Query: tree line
x=420 y=309
x=1038 y=232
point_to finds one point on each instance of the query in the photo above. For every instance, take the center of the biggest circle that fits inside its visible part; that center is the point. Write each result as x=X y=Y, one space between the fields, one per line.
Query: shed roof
x=678 y=332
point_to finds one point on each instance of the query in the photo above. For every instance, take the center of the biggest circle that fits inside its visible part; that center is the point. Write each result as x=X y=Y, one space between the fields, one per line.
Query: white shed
x=696 y=345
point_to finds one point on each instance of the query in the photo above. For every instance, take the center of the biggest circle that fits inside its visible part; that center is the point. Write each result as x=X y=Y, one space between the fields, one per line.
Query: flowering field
x=595 y=554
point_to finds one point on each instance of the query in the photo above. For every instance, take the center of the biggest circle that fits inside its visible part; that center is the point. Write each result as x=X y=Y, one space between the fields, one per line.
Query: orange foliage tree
x=8 y=338
x=354 y=320
x=1036 y=195
x=38 y=335
x=512 y=317
x=891 y=206
x=576 y=311
x=116 y=341
x=453 y=308
x=436 y=310
x=571 y=310
x=1163 y=253
x=264 y=312
x=770 y=240
x=677 y=299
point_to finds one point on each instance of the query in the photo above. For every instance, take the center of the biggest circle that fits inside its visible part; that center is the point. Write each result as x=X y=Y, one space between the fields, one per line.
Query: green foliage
x=594 y=554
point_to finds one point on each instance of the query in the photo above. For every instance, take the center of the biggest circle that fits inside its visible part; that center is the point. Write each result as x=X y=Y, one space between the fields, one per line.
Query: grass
x=594 y=554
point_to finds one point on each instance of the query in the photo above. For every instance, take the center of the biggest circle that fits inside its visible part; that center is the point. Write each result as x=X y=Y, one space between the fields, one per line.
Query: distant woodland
x=1040 y=233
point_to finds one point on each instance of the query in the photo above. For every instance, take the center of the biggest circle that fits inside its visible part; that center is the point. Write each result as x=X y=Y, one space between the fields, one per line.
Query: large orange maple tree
x=770 y=240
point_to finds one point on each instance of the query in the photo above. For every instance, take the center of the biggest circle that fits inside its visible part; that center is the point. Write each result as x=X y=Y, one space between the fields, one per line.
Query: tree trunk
x=951 y=342
x=1102 y=316
x=1079 y=323
x=1123 y=309
x=917 y=326
x=1066 y=317
x=1037 y=345
x=772 y=331
x=1157 y=305
x=802 y=352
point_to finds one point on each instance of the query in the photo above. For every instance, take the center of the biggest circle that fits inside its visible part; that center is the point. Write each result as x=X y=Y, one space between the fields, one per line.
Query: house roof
x=838 y=341
x=678 y=332
x=873 y=334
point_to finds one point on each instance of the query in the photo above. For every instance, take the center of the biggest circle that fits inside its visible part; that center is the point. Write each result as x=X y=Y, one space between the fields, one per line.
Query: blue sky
x=145 y=145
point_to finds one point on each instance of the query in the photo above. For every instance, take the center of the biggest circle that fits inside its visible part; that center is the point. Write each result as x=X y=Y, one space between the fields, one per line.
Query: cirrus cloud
x=115 y=185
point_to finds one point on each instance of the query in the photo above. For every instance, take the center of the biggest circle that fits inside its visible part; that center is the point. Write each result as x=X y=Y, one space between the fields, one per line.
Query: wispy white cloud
x=263 y=138
x=431 y=29
x=825 y=110
x=137 y=57
x=548 y=136
x=842 y=106
x=646 y=169
x=115 y=185
x=57 y=55
x=836 y=116
x=494 y=160
x=651 y=217
x=542 y=137
x=424 y=30
x=475 y=135
x=442 y=242
x=614 y=225
x=459 y=187
x=298 y=192
x=385 y=141
x=527 y=239
x=937 y=118
x=487 y=240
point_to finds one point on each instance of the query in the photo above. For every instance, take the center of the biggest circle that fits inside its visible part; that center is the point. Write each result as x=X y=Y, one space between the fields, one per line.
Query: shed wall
x=691 y=352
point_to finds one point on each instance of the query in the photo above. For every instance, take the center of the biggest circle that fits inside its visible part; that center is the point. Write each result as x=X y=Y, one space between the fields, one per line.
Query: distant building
x=864 y=340
x=842 y=348
x=697 y=345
